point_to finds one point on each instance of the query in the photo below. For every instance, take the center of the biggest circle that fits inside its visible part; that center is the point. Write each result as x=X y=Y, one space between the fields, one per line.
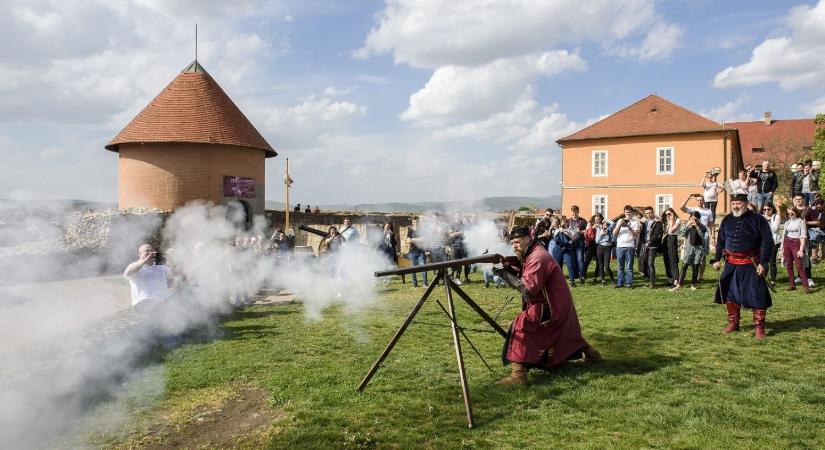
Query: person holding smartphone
x=626 y=231
x=149 y=281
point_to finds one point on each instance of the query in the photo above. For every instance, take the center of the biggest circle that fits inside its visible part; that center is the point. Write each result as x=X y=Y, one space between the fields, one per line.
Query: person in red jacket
x=546 y=332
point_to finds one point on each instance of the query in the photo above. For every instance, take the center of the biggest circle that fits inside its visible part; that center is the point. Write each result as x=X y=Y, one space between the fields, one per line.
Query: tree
x=818 y=149
x=785 y=151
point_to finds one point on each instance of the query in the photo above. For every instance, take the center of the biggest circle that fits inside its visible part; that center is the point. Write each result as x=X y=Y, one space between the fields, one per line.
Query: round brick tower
x=191 y=143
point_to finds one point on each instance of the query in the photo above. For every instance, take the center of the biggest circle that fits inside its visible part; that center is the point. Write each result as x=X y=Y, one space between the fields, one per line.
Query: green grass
x=670 y=378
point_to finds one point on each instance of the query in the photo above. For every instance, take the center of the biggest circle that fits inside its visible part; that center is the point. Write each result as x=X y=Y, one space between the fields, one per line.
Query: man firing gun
x=546 y=332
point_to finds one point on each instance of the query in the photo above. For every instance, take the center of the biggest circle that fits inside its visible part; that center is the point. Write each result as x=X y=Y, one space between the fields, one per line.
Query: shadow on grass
x=257 y=314
x=241 y=332
x=797 y=324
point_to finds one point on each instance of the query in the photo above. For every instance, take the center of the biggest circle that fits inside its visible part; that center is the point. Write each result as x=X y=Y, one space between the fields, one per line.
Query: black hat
x=518 y=232
x=696 y=214
x=739 y=198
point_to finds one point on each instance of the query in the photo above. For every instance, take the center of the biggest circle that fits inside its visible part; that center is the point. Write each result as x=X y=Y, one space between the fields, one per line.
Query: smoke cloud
x=74 y=341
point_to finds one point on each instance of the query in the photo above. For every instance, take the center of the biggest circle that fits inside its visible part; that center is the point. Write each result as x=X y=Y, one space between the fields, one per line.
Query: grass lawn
x=670 y=378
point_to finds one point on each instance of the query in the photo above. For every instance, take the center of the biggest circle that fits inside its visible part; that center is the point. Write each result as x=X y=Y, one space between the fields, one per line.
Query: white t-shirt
x=710 y=192
x=626 y=238
x=806 y=184
x=149 y=282
x=794 y=228
x=705 y=215
x=739 y=187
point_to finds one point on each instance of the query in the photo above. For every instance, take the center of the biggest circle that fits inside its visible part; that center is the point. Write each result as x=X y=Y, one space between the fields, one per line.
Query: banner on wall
x=243 y=187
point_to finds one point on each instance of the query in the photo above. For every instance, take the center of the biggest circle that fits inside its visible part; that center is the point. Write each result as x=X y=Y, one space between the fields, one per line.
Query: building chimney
x=768 y=118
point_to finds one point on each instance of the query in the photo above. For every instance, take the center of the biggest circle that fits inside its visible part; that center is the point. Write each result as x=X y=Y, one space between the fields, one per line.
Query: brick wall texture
x=168 y=175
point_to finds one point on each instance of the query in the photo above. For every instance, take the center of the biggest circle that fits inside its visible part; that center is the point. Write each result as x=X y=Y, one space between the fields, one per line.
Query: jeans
x=555 y=251
x=763 y=198
x=437 y=254
x=417 y=259
x=568 y=256
x=578 y=252
x=589 y=256
x=694 y=274
x=624 y=271
x=490 y=277
x=603 y=253
x=650 y=264
x=809 y=198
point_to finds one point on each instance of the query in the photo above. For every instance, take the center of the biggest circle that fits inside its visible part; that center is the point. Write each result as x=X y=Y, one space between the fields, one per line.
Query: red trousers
x=790 y=250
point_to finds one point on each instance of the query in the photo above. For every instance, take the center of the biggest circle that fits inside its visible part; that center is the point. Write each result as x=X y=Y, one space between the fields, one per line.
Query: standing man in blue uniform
x=746 y=243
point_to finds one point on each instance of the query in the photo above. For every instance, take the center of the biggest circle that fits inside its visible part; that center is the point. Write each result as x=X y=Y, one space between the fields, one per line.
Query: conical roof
x=651 y=115
x=192 y=108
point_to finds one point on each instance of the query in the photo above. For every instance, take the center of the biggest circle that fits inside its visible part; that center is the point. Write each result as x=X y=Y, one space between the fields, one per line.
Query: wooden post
x=286 y=206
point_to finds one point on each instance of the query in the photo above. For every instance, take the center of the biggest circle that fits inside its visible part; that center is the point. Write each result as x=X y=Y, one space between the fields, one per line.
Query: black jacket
x=765 y=181
x=656 y=236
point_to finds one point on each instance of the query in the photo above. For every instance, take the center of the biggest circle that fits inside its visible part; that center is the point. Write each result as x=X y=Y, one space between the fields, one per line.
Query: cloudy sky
x=403 y=100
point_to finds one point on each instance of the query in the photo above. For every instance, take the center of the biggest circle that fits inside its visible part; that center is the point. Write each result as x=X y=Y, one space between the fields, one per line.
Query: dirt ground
x=245 y=420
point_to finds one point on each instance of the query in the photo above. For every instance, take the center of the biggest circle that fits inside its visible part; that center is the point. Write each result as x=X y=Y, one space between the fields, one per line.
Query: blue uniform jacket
x=745 y=233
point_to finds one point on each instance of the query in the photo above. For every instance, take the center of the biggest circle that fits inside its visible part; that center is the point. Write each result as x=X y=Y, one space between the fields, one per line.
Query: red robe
x=529 y=338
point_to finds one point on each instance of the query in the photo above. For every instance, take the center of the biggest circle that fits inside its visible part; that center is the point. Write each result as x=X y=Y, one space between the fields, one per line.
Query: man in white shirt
x=349 y=232
x=149 y=281
x=740 y=185
x=705 y=213
x=626 y=231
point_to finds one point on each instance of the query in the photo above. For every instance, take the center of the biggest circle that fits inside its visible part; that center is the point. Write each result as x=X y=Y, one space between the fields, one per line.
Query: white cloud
x=460 y=93
x=92 y=62
x=435 y=33
x=303 y=124
x=411 y=167
x=659 y=43
x=815 y=107
x=51 y=152
x=792 y=60
x=374 y=79
x=729 y=112
x=332 y=91
x=43 y=23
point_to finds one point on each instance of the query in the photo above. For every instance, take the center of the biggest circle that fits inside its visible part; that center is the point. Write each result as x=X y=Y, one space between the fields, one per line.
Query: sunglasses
x=767 y=209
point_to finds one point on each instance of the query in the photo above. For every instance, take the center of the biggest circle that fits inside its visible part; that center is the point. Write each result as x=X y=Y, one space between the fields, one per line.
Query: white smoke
x=63 y=354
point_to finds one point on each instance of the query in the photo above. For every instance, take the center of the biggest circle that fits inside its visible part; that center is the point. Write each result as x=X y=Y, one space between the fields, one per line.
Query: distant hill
x=484 y=204
x=52 y=204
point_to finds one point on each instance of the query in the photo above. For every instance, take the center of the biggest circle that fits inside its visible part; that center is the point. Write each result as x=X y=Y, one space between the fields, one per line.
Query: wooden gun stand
x=449 y=287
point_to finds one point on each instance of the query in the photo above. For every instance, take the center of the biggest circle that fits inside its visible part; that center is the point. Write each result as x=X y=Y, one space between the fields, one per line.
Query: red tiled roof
x=651 y=115
x=758 y=135
x=194 y=109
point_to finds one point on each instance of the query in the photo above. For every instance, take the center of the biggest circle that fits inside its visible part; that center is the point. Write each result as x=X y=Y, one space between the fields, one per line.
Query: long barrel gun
x=490 y=258
x=314 y=231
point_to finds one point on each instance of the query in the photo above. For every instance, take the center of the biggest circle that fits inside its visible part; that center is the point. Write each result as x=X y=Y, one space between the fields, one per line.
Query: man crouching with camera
x=547 y=332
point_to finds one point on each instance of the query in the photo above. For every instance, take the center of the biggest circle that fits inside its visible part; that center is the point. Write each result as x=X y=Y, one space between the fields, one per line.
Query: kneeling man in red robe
x=546 y=332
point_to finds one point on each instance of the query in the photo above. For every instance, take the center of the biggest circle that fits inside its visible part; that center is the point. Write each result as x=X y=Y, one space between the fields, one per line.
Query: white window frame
x=593 y=204
x=659 y=206
x=672 y=160
x=593 y=163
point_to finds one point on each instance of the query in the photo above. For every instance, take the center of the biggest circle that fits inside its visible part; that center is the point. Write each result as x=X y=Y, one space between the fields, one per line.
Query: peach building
x=191 y=143
x=652 y=153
